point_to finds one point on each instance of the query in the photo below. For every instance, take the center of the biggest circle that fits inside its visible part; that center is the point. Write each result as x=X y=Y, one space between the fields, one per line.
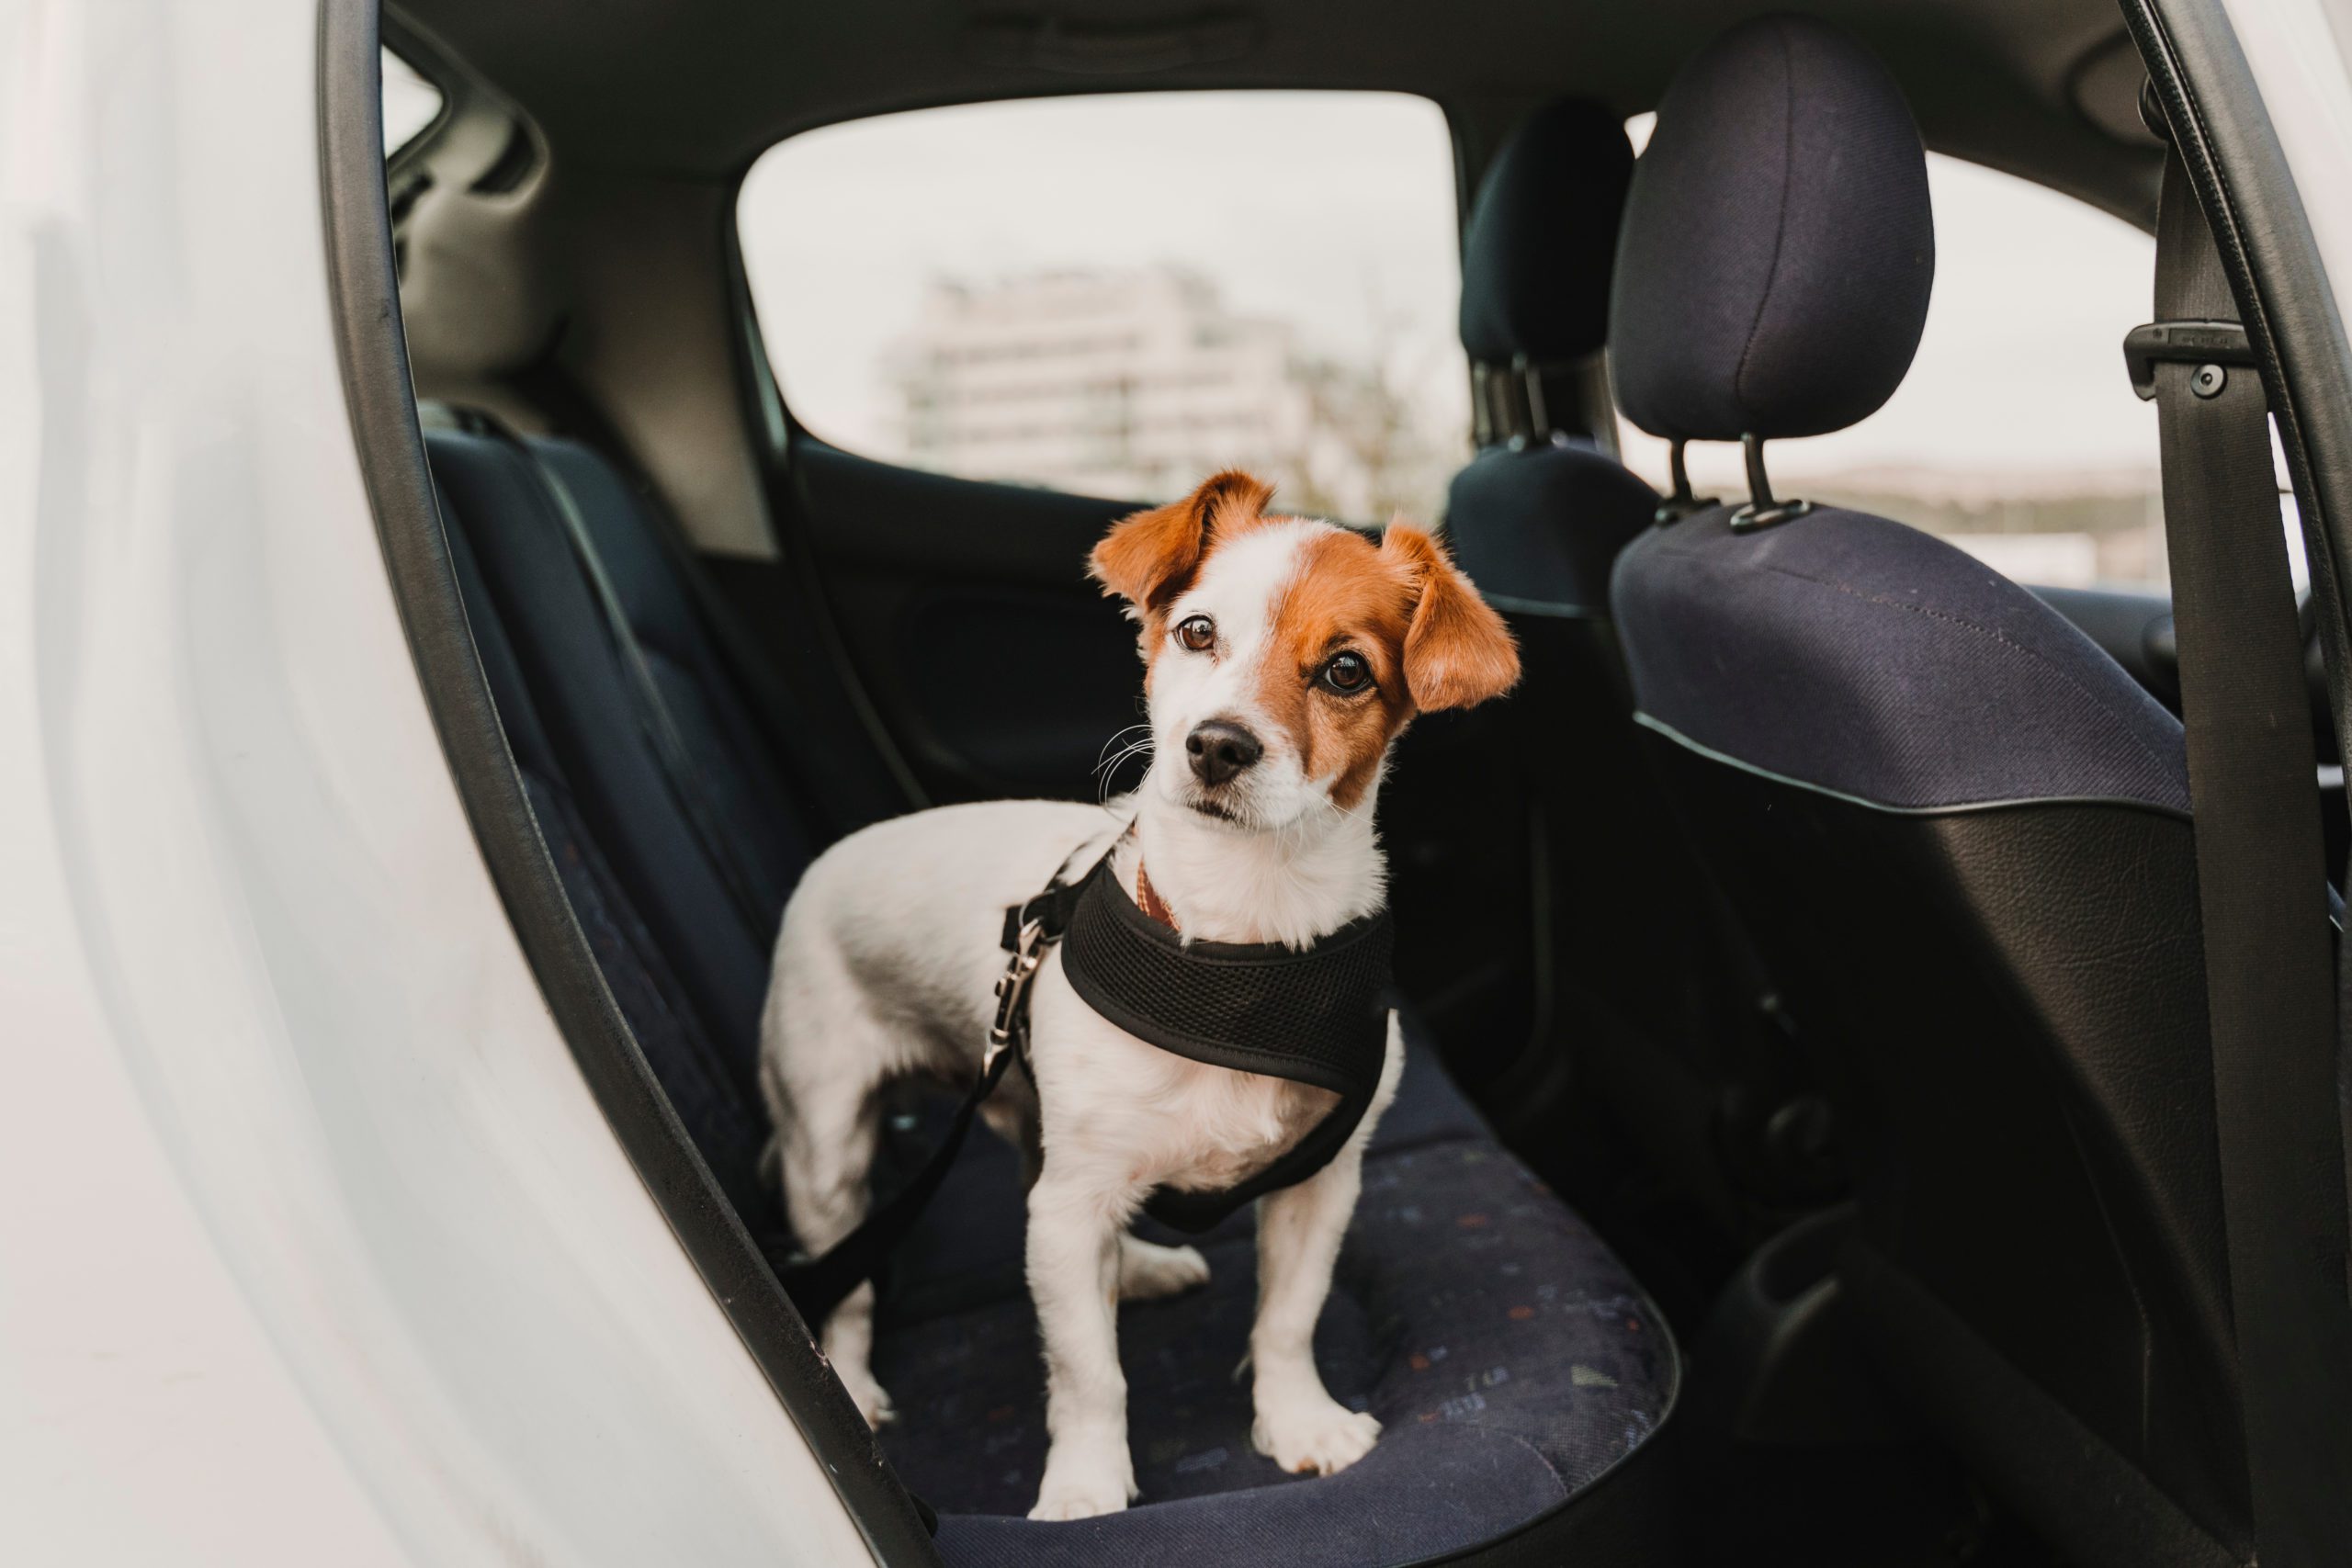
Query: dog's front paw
x=1313 y=1436
x=1148 y=1271
x=1081 y=1483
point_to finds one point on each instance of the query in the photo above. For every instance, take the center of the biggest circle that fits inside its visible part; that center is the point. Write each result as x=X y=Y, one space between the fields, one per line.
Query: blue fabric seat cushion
x=1510 y=1356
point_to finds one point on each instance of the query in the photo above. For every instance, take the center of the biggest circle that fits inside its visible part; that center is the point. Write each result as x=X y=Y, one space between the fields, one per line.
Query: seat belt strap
x=2260 y=863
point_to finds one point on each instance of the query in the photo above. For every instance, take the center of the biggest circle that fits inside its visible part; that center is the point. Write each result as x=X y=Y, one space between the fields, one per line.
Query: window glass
x=2016 y=434
x=410 y=103
x=1118 y=295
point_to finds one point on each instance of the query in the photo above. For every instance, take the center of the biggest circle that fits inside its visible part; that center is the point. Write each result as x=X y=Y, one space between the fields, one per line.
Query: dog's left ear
x=1149 y=558
x=1458 y=653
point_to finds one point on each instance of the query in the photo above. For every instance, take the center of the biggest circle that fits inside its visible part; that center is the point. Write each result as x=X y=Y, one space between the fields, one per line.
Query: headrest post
x=1759 y=485
x=1539 y=418
x=1762 y=511
x=1681 y=504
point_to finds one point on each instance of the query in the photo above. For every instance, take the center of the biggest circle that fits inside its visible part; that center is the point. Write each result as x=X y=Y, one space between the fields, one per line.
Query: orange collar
x=1148 y=899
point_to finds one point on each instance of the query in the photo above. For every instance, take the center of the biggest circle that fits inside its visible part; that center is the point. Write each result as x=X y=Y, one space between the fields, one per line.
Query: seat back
x=687 y=962
x=1651 y=983
x=1959 y=830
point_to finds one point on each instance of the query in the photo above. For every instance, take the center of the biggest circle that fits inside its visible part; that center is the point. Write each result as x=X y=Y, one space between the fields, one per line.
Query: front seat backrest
x=1655 y=994
x=1958 y=828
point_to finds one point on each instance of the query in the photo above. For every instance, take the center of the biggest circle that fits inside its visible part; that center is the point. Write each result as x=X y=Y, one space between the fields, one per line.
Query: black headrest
x=1543 y=234
x=1773 y=271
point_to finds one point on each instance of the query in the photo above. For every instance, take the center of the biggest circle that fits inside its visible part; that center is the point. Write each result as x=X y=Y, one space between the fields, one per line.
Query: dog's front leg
x=1300 y=1427
x=1074 y=1228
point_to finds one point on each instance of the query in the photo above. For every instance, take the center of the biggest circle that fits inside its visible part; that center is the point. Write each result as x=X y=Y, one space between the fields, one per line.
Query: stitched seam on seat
x=1544 y=1459
x=1780 y=227
x=2015 y=646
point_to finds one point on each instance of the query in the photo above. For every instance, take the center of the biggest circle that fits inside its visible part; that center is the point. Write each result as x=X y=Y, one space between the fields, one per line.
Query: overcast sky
x=1316 y=207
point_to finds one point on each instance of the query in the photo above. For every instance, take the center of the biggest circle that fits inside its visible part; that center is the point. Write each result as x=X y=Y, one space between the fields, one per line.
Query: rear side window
x=2016 y=434
x=1117 y=294
x=411 y=102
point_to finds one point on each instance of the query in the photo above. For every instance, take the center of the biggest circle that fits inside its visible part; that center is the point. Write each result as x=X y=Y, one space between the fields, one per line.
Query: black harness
x=1317 y=1015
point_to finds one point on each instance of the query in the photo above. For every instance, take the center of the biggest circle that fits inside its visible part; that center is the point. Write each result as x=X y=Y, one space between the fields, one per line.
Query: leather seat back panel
x=2017 y=1001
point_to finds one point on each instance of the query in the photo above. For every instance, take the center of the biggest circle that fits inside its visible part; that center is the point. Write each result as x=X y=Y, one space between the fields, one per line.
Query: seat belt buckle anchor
x=2202 y=344
x=1013 y=987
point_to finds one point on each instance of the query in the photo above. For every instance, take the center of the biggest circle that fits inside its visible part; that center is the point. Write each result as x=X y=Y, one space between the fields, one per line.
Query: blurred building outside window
x=1117 y=295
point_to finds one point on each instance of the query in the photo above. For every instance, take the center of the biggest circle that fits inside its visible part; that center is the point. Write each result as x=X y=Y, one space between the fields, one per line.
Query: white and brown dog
x=1281 y=658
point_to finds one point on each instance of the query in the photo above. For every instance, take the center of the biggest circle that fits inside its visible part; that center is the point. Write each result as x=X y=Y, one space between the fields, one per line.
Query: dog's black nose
x=1221 y=748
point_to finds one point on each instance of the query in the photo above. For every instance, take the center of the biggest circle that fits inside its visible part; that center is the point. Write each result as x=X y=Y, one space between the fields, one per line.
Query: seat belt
x=2269 y=970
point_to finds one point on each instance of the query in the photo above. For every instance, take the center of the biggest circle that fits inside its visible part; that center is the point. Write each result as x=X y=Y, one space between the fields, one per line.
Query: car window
x=2016 y=434
x=411 y=102
x=1116 y=295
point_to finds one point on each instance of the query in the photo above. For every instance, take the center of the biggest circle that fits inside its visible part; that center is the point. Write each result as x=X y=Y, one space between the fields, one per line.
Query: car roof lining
x=698 y=88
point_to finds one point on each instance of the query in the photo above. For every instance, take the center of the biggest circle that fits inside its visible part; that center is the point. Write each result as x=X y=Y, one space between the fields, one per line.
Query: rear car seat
x=1515 y=1364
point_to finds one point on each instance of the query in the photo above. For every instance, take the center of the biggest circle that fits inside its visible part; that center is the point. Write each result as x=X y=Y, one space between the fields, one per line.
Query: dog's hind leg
x=1148 y=1271
x=823 y=1080
x=827 y=1146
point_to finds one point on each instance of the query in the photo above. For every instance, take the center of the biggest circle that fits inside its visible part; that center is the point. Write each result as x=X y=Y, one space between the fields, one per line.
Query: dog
x=1282 y=657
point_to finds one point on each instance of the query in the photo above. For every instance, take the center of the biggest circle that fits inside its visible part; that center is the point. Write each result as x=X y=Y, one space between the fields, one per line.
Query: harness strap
x=1316 y=1017
x=1215 y=1002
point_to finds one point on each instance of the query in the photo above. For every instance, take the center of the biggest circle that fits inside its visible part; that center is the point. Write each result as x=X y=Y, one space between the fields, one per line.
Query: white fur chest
x=1147 y=1117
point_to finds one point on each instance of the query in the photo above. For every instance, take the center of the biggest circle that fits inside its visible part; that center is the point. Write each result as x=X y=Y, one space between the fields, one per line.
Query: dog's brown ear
x=1149 y=558
x=1458 y=653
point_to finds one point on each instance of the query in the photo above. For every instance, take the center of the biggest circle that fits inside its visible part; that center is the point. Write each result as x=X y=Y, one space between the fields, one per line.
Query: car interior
x=1807 y=1148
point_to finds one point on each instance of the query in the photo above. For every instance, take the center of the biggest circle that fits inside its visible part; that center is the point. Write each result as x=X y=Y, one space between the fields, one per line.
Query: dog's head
x=1282 y=655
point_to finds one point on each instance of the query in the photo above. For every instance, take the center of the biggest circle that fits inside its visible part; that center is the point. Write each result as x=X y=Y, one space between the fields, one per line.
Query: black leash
x=818 y=1285
x=1316 y=1016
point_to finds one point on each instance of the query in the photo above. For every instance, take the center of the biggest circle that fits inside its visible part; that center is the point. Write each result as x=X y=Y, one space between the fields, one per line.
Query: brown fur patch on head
x=1344 y=598
x=1458 y=653
x=1151 y=558
x=1431 y=641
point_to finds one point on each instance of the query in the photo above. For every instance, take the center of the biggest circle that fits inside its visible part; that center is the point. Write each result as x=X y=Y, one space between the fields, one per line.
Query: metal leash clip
x=1013 y=987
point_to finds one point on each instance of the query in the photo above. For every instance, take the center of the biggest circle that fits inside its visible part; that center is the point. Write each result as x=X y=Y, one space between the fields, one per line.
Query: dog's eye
x=1197 y=633
x=1347 y=674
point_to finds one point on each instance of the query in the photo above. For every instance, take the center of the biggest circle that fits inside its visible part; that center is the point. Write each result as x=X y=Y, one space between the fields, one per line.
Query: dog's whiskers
x=1106 y=763
x=1099 y=757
